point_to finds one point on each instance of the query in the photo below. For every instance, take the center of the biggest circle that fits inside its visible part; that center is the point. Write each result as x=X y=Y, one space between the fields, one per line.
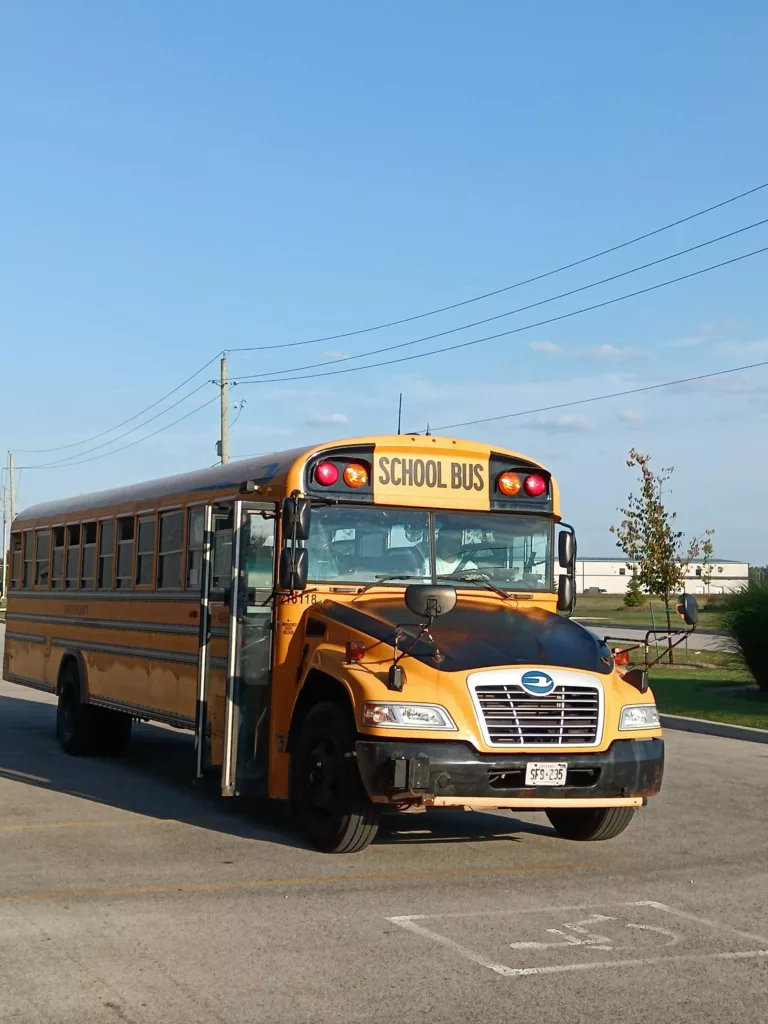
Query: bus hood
x=476 y=635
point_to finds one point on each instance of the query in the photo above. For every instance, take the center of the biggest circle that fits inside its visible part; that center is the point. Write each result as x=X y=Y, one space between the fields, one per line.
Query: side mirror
x=566 y=550
x=566 y=594
x=637 y=677
x=293 y=569
x=427 y=602
x=296 y=518
x=688 y=610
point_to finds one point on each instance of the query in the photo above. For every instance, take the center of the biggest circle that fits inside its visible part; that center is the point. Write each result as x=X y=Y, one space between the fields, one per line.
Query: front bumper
x=448 y=773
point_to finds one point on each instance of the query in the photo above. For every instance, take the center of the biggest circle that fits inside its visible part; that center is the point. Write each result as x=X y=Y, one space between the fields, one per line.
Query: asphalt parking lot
x=128 y=893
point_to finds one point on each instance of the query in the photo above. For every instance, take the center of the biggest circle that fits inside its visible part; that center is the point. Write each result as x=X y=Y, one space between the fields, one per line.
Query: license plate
x=546 y=773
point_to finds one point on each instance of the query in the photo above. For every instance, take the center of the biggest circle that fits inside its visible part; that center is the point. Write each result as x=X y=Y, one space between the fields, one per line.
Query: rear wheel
x=84 y=729
x=590 y=824
x=327 y=793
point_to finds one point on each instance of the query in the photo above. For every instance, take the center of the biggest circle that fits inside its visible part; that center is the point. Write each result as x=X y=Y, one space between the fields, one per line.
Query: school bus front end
x=431 y=663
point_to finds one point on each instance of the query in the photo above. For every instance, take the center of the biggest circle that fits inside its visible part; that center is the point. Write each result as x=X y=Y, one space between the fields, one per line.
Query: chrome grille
x=511 y=717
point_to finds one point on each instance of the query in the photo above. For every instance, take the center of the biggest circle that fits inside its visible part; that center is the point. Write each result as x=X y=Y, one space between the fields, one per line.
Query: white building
x=612 y=575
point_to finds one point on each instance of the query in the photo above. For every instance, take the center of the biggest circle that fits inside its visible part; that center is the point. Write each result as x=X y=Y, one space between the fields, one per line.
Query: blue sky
x=178 y=178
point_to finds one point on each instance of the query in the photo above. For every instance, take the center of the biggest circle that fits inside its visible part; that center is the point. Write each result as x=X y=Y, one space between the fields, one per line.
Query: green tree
x=707 y=567
x=648 y=537
x=634 y=596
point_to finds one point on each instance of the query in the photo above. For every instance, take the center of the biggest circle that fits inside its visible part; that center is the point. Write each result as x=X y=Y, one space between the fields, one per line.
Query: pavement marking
x=579 y=935
x=259 y=883
x=108 y=823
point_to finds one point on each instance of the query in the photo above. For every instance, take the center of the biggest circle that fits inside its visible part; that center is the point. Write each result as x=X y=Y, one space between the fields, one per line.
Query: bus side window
x=106 y=554
x=222 y=554
x=42 y=558
x=145 y=552
x=195 y=548
x=88 y=571
x=170 y=551
x=29 y=558
x=125 y=530
x=72 y=571
x=57 y=568
x=16 y=561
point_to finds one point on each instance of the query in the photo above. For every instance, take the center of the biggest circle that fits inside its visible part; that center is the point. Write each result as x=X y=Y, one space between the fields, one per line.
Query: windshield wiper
x=393 y=576
x=474 y=577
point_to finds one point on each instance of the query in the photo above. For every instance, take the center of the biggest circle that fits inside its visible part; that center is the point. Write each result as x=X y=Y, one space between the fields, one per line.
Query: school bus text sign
x=430 y=479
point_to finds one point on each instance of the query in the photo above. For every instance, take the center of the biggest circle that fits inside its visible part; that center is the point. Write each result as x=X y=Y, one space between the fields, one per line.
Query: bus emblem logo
x=537 y=683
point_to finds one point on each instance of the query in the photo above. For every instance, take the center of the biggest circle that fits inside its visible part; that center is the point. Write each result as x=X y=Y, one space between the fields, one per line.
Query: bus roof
x=270 y=470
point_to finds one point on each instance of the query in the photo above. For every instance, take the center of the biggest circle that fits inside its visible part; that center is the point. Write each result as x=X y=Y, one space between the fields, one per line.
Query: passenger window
x=57 y=569
x=125 y=532
x=222 y=553
x=170 y=550
x=88 y=571
x=72 y=573
x=195 y=548
x=106 y=554
x=145 y=552
x=29 y=556
x=42 y=558
x=16 y=561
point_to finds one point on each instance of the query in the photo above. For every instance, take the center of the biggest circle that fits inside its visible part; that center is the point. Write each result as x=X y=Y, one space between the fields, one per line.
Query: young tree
x=634 y=596
x=648 y=537
x=707 y=568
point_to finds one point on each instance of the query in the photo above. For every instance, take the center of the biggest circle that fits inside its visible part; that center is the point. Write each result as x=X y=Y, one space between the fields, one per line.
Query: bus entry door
x=249 y=651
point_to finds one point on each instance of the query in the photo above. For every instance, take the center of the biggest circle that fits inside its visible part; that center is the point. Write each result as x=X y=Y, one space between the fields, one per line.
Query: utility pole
x=224 y=443
x=9 y=512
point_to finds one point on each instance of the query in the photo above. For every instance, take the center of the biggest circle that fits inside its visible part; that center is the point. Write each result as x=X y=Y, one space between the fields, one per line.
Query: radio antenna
x=400 y=413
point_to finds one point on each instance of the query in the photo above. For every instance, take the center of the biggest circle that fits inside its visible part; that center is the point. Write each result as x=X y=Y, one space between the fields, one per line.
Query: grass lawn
x=596 y=608
x=707 y=693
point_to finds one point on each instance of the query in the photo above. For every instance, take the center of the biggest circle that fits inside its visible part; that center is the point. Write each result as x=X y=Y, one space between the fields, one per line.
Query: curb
x=701 y=725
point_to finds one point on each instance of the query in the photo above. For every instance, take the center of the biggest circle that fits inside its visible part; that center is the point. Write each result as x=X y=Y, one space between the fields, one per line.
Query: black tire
x=590 y=824
x=75 y=721
x=327 y=794
x=84 y=729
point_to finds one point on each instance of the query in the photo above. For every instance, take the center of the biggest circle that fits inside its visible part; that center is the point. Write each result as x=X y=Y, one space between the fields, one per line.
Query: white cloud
x=546 y=346
x=630 y=416
x=565 y=422
x=610 y=354
x=333 y=354
x=324 y=419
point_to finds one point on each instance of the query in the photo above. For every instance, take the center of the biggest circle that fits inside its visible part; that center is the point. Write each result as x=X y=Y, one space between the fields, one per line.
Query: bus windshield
x=360 y=545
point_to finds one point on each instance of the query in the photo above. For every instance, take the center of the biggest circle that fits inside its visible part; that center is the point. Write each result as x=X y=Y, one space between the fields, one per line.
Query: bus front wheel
x=327 y=794
x=592 y=823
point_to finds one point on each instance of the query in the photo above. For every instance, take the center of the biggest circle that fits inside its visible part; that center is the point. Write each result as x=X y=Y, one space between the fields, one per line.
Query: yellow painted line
x=109 y=823
x=260 y=883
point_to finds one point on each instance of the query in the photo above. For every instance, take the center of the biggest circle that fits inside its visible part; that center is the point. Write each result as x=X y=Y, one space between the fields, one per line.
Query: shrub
x=634 y=596
x=745 y=621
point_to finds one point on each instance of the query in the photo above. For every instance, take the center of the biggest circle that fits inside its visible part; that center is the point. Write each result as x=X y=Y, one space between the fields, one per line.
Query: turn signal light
x=355 y=475
x=509 y=484
x=355 y=650
x=621 y=657
x=535 y=485
x=326 y=474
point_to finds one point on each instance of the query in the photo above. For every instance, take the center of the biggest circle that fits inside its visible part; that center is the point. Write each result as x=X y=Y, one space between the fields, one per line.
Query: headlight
x=406 y=716
x=639 y=716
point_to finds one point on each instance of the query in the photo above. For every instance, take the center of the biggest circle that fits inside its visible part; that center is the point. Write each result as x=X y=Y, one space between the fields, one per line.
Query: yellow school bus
x=374 y=623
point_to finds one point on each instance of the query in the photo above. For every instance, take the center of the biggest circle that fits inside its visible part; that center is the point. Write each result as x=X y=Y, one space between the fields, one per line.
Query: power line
x=95 y=437
x=515 y=330
x=67 y=460
x=138 y=440
x=509 y=287
x=500 y=316
x=598 y=398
